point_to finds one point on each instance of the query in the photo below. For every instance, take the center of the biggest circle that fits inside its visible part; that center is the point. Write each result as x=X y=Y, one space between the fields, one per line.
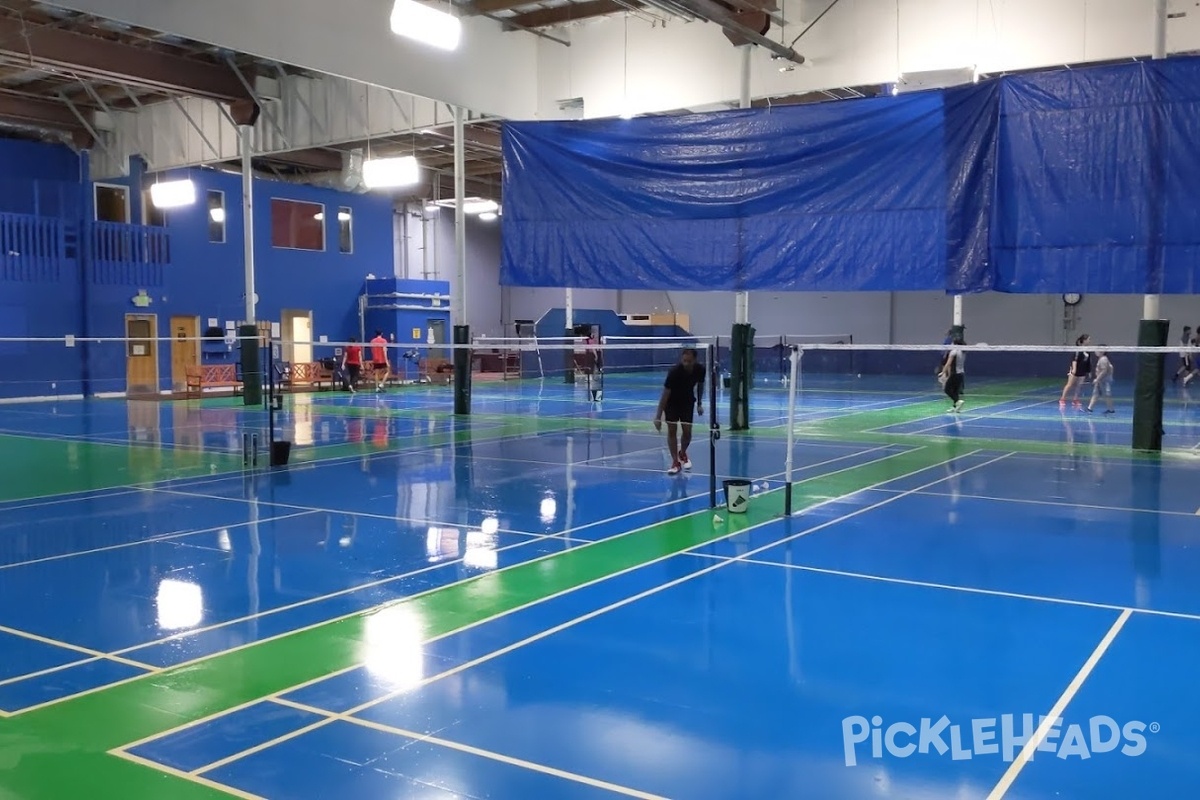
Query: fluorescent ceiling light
x=488 y=216
x=426 y=24
x=480 y=206
x=383 y=173
x=343 y=216
x=173 y=194
x=216 y=214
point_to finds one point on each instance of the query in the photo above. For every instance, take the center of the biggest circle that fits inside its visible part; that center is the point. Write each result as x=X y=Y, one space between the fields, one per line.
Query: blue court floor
x=522 y=604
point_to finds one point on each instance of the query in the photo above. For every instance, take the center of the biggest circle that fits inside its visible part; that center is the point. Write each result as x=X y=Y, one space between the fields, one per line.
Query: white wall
x=859 y=42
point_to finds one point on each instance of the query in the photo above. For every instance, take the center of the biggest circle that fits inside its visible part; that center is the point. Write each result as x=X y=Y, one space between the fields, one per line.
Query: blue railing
x=31 y=248
x=129 y=254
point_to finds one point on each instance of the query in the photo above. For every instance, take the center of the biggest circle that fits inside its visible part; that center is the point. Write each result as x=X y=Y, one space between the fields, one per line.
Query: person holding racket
x=682 y=391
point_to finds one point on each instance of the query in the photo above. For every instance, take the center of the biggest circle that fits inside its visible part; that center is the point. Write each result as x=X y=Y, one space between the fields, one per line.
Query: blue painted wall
x=203 y=278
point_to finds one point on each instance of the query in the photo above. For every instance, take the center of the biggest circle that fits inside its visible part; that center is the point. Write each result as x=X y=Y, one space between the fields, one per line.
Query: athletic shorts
x=1104 y=387
x=680 y=414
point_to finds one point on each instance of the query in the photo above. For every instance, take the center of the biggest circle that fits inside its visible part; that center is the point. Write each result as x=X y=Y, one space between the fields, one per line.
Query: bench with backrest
x=309 y=373
x=213 y=376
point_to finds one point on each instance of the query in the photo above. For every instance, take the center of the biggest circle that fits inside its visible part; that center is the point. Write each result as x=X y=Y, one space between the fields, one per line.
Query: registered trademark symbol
x=1155 y=727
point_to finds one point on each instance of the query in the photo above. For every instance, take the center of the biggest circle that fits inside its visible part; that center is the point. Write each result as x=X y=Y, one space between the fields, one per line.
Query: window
x=216 y=216
x=297 y=226
x=345 y=230
x=112 y=203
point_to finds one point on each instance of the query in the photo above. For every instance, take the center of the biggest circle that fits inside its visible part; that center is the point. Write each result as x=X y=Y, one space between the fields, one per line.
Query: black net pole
x=462 y=370
x=714 y=427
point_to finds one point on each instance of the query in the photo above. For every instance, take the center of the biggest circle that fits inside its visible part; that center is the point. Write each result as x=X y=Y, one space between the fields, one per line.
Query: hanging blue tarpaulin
x=880 y=194
x=1098 y=176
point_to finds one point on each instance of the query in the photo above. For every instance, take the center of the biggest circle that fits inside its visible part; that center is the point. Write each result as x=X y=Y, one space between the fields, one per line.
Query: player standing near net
x=1081 y=367
x=953 y=375
x=682 y=391
x=379 y=360
x=1102 y=386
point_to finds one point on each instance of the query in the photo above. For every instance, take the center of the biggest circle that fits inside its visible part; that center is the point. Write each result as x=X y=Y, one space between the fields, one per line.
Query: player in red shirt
x=351 y=365
x=379 y=360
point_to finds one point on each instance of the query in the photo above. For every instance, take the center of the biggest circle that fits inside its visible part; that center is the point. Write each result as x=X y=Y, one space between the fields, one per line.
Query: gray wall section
x=871 y=317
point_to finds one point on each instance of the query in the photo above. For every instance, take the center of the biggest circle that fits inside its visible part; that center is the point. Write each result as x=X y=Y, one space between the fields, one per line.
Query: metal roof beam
x=37 y=113
x=91 y=57
x=572 y=12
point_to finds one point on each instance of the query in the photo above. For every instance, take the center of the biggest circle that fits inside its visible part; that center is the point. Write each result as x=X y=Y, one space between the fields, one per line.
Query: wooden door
x=185 y=349
x=141 y=354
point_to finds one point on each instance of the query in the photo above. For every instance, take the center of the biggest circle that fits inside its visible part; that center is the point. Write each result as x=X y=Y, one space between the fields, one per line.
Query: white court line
x=116 y=654
x=569 y=623
x=972 y=415
x=1064 y=503
x=1055 y=713
x=96 y=654
x=455 y=631
x=1063 y=601
x=462 y=748
x=567 y=531
x=178 y=773
x=165 y=537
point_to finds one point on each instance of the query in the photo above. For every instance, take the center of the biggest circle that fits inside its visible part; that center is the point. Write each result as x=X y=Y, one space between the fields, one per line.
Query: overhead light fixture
x=343 y=216
x=173 y=194
x=431 y=207
x=426 y=24
x=480 y=207
x=384 y=173
x=488 y=216
x=216 y=214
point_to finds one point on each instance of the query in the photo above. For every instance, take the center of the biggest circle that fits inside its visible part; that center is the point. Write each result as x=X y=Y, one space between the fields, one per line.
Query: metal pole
x=741 y=305
x=252 y=377
x=714 y=427
x=958 y=309
x=462 y=330
x=569 y=365
x=460 y=214
x=791 y=431
x=1150 y=308
x=247 y=132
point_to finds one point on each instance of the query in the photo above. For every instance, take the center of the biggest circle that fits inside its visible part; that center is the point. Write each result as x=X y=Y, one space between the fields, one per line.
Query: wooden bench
x=309 y=373
x=213 y=376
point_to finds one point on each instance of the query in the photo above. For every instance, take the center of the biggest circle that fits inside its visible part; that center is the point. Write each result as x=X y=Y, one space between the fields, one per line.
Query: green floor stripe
x=60 y=751
x=32 y=467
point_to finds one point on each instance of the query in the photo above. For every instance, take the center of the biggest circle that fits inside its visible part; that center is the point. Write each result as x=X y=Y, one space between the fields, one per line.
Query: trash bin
x=737 y=496
x=280 y=453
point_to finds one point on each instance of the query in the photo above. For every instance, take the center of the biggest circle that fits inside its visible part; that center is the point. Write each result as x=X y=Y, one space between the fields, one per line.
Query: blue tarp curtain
x=1073 y=180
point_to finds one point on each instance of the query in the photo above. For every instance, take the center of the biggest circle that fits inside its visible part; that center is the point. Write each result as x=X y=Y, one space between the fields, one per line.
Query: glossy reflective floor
x=520 y=604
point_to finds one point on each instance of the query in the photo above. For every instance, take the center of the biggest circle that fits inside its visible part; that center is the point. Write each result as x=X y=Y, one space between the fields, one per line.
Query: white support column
x=460 y=216
x=958 y=309
x=570 y=304
x=247 y=135
x=741 y=303
x=1150 y=308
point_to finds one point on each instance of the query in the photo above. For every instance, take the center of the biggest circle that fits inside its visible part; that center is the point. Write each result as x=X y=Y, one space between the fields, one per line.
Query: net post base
x=1148 y=388
x=252 y=374
x=462 y=370
x=741 y=357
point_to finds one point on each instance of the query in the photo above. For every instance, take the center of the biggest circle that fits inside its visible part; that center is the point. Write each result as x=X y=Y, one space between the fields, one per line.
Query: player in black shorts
x=680 y=395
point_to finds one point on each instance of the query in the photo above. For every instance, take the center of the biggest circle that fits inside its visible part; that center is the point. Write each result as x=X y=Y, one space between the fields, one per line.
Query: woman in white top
x=1102 y=386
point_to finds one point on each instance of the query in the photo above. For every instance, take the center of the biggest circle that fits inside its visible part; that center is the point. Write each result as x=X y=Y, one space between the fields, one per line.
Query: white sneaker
x=685 y=462
x=958 y=406
x=674 y=470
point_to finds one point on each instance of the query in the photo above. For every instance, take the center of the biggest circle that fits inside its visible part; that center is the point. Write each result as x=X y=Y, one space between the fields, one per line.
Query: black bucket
x=737 y=495
x=280 y=453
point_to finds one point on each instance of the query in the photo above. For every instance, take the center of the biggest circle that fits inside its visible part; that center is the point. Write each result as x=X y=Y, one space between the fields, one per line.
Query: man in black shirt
x=678 y=398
